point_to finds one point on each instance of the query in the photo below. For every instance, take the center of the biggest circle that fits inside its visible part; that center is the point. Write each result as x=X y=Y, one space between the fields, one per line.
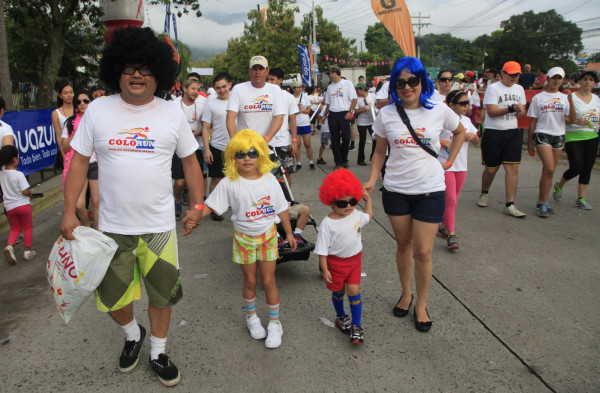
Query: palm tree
x=5 y=82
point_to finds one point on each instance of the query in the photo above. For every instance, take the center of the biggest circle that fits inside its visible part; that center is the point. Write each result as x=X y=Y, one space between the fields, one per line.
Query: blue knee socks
x=355 y=308
x=338 y=303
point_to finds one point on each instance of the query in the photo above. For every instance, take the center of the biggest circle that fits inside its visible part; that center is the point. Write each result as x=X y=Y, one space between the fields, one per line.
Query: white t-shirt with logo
x=5 y=130
x=13 y=184
x=410 y=169
x=550 y=110
x=315 y=100
x=341 y=237
x=365 y=118
x=437 y=97
x=460 y=162
x=590 y=112
x=193 y=114
x=283 y=137
x=503 y=96
x=256 y=107
x=215 y=114
x=135 y=145
x=255 y=204
x=339 y=96
x=303 y=119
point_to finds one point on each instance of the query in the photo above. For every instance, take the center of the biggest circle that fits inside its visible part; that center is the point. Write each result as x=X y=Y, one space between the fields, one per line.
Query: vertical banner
x=175 y=31
x=168 y=20
x=395 y=17
x=305 y=65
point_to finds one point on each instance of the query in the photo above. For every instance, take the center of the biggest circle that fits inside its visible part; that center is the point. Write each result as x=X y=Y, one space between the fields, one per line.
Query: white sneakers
x=274 y=338
x=483 y=200
x=9 y=255
x=28 y=255
x=513 y=211
x=258 y=332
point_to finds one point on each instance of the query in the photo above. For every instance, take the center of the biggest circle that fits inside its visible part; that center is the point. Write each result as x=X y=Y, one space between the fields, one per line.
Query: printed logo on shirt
x=553 y=105
x=408 y=141
x=261 y=208
x=260 y=103
x=592 y=116
x=339 y=92
x=135 y=139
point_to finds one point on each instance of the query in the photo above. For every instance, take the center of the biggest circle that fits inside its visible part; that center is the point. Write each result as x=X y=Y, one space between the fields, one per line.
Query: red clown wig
x=339 y=184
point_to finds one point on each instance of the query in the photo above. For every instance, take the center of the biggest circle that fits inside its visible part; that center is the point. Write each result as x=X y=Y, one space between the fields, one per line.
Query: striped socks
x=273 y=312
x=250 y=306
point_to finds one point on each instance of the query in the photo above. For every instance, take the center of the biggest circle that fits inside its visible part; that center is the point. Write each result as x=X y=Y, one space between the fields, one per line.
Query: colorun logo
x=263 y=208
x=260 y=102
x=409 y=140
x=136 y=138
x=553 y=104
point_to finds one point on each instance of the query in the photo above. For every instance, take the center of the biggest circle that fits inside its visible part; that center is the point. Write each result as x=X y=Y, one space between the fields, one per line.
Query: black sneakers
x=343 y=323
x=165 y=370
x=131 y=353
x=356 y=335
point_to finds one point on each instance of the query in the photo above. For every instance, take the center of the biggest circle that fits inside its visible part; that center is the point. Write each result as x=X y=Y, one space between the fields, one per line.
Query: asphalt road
x=515 y=309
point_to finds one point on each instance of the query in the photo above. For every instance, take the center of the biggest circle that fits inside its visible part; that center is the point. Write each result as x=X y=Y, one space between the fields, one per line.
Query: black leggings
x=362 y=135
x=582 y=155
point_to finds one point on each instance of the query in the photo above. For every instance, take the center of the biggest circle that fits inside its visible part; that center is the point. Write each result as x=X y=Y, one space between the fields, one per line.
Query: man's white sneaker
x=483 y=200
x=513 y=211
x=9 y=254
x=274 y=338
x=257 y=331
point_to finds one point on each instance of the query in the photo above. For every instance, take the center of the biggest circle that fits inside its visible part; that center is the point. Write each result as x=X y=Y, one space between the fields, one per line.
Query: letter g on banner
x=388 y=4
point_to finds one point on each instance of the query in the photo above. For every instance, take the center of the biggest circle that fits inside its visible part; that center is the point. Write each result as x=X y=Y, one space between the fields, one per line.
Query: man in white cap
x=256 y=104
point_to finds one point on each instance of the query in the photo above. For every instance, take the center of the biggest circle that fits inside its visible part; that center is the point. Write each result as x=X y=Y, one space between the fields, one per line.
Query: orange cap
x=512 y=67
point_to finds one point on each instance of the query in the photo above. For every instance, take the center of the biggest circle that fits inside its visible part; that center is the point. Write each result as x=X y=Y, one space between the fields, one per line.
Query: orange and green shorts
x=248 y=249
x=152 y=257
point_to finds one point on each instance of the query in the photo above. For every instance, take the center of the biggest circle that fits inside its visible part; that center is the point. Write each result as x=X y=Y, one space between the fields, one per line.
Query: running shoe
x=452 y=242
x=298 y=167
x=351 y=148
x=29 y=255
x=282 y=243
x=513 y=211
x=131 y=352
x=311 y=166
x=356 y=335
x=321 y=161
x=274 y=337
x=483 y=200
x=165 y=370
x=257 y=331
x=557 y=192
x=9 y=255
x=550 y=208
x=300 y=242
x=442 y=232
x=344 y=324
x=542 y=209
x=582 y=203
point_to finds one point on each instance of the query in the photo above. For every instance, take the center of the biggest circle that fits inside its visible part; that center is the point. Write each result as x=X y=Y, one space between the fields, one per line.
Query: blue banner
x=305 y=65
x=34 y=137
x=175 y=31
x=168 y=21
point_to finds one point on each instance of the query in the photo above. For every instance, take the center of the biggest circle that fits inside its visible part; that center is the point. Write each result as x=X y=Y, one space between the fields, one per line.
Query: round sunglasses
x=413 y=81
x=342 y=203
x=252 y=153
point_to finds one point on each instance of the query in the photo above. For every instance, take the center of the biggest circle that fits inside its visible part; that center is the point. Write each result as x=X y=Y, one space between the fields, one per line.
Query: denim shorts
x=555 y=141
x=427 y=207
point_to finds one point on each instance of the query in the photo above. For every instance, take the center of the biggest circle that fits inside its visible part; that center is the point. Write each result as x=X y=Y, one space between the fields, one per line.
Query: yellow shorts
x=249 y=249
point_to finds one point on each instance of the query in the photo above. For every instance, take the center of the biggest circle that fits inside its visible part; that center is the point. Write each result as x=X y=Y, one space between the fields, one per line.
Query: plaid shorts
x=248 y=249
x=325 y=138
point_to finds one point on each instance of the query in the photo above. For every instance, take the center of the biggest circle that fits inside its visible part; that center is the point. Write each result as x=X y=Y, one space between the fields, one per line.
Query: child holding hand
x=16 y=196
x=256 y=199
x=339 y=246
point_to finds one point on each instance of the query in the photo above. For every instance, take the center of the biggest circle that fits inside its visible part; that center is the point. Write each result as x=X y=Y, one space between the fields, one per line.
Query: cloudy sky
x=223 y=19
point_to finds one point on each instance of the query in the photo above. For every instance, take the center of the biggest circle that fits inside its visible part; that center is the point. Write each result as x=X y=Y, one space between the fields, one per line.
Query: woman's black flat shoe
x=422 y=326
x=400 y=312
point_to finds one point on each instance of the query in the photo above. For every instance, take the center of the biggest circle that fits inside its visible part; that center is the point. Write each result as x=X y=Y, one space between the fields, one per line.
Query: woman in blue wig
x=413 y=194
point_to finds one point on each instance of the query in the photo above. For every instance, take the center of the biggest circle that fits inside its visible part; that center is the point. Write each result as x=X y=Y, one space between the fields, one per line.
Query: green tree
x=446 y=51
x=5 y=84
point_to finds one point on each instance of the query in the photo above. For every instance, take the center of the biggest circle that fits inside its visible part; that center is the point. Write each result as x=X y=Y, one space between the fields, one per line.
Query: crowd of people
x=137 y=158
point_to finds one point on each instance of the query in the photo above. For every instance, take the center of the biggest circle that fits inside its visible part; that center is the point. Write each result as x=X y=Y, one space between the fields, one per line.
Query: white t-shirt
x=135 y=146
x=5 y=130
x=339 y=96
x=341 y=237
x=437 y=97
x=365 y=118
x=65 y=135
x=550 y=110
x=410 y=169
x=193 y=113
x=589 y=112
x=13 y=184
x=255 y=107
x=215 y=114
x=384 y=91
x=503 y=96
x=315 y=100
x=255 y=204
x=303 y=119
x=460 y=162
x=283 y=137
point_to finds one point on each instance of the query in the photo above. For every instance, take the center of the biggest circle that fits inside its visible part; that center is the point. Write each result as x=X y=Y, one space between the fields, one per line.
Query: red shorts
x=344 y=271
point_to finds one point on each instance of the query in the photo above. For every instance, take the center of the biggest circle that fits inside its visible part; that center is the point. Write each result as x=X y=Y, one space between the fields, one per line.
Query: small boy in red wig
x=339 y=246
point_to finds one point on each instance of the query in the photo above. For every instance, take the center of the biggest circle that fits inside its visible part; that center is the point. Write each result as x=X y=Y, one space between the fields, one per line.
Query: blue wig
x=415 y=67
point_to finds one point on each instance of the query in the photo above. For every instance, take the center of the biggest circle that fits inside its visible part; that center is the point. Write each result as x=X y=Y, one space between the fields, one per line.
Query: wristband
x=511 y=108
x=294 y=140
x=267 y=138
x=198 y=207
x=449 y=164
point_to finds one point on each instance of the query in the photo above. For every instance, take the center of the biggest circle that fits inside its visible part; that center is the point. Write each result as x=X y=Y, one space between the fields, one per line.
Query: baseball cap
x=296 y=84
x=361 y=85
x=459 y=76
x=259 y=60
x=512 y=67
x=556 y=71
x=470 y=73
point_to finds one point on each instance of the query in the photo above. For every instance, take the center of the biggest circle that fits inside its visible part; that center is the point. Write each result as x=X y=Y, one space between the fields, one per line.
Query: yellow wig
x=243 y=141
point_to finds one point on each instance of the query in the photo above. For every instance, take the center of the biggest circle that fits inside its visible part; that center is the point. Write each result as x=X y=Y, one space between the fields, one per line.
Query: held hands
x=348 y=115
x=584 y=122
x=190 y=221
x=366 y=195
x=445 y=165
x=368 y=187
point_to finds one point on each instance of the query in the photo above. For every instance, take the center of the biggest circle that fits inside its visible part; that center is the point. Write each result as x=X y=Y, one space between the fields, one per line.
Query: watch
x=511 y=108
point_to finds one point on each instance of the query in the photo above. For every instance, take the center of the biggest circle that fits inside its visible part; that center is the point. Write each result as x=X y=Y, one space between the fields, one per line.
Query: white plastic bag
x=75 y=268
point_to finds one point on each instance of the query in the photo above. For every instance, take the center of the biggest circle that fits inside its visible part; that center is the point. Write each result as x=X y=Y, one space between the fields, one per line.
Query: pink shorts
x=344 y=271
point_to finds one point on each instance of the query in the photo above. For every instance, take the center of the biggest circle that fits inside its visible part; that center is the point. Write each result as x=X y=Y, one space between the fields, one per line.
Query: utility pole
x=420 y=24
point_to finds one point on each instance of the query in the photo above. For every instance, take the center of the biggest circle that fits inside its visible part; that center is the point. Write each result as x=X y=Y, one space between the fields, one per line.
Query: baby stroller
x=302 y=253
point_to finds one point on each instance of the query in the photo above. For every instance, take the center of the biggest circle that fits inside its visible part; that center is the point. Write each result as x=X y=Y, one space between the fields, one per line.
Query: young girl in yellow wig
x=256 y=199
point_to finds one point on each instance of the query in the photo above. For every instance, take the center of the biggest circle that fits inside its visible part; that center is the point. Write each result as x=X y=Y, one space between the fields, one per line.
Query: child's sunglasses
x=85 y=101
x=342 y=204
x=252 y=153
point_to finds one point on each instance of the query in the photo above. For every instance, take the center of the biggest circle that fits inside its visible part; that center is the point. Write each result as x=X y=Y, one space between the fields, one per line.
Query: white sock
x=132 y=330
x=157 y=346
x=311 y=162
x=298 y=231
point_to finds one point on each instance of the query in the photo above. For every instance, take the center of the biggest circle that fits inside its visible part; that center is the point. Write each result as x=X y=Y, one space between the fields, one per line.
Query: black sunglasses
x=342 y=204
x=413 y=81
x=252 y=153
x=446 y=79
x=85 y=101
x=130 y=70
x=462 y=103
